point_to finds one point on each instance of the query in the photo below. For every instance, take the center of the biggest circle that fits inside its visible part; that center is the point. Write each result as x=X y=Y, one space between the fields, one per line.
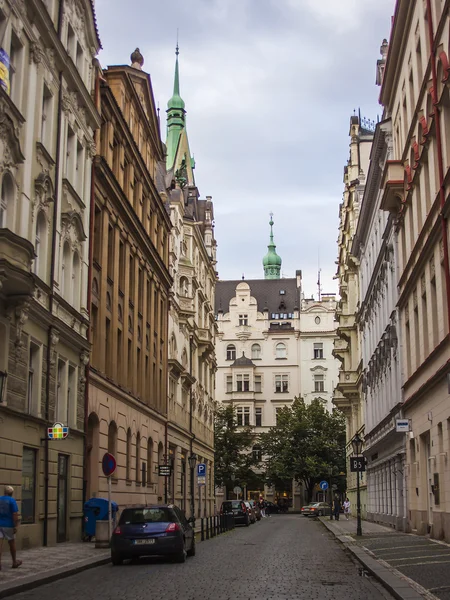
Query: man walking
x=9 y=522
x=336 y=508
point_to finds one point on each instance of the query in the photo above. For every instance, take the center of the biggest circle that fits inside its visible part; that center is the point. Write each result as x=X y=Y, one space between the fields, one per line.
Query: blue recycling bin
x=96 y=509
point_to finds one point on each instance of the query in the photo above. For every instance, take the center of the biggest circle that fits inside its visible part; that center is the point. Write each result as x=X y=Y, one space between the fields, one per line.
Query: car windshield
x=316 y=504
x=135 y=516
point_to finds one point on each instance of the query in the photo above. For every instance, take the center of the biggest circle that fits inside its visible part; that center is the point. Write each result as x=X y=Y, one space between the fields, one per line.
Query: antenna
x=319 y=288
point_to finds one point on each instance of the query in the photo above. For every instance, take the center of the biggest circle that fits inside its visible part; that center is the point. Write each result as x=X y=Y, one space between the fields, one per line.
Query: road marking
x=400 y=547
x=415 y=557
x=431 y=562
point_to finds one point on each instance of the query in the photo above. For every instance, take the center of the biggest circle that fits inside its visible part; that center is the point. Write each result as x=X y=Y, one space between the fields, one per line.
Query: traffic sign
x=357 y=464
x=164 y=470
x=201 y=470
x=402 y=425
x=237 y=490
x=201 y=480
x=108 y=464
x=323 y=485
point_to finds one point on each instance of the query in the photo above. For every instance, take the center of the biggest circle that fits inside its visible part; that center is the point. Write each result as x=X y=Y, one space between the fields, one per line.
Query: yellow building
x=129 y=294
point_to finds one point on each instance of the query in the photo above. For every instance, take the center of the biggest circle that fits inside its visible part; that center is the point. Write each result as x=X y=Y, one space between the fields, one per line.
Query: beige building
x=129 y=293
x=415 y=94
x=192 y=329
x=46 y=150
x=348 y=392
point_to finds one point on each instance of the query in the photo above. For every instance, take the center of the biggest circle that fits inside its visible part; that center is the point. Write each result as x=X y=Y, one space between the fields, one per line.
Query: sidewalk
x=411 y=567
x=43 y=565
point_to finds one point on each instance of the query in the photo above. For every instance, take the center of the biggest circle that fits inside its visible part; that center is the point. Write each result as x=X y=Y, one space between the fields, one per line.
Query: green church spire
x=271 y=261
x=176 y=117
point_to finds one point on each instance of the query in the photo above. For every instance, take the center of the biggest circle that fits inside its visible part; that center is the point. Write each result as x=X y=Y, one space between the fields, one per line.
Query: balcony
x=16 y=256
x=393 y=186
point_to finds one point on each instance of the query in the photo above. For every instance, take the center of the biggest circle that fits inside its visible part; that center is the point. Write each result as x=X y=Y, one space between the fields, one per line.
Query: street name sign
x=402 y=425
x=357 y=464
x=164 y=470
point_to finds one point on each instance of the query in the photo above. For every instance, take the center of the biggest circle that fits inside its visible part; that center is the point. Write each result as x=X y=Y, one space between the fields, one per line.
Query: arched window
x=66 y=276
x=95 y=287
x=231 y=352
x=112 y=441
x=257 y=453
x=120 y=313
x=40 y=246
x=138 y=458
x=280 y=351
x=7 y=201
x=128 y=470
x=184 y=286
x=149 y=461
x=256 y=351
x=76 y=291
x=184 y=358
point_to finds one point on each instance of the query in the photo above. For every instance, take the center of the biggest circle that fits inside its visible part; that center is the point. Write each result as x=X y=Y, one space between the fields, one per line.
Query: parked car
x=157 y=530
x=271 y=508
x=238 y=509
x=305 y=509
x=251 y=511
x=318 y=509
x=256 y=508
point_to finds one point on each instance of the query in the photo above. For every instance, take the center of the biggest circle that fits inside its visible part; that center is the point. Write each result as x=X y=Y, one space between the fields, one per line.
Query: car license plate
x=146 y=541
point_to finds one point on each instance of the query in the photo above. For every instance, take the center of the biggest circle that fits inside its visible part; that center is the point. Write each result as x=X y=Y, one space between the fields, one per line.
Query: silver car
x=251 y=512
x=319 y=509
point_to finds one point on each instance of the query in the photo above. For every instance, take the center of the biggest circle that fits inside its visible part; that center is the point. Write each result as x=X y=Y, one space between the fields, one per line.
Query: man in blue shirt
x=9 y=521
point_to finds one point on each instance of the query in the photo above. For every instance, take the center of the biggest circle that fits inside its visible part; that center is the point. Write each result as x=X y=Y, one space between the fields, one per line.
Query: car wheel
x=116 y=559
x=247 y=522
x=180 y=557
x=320 y=513
x=191 y=552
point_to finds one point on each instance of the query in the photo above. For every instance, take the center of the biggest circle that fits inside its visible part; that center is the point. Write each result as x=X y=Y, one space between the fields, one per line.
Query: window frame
x=32 y=518
x=231 y=352
x=281 y=382
x=256 y=351
x=280 y=351
x=258 y=416
x=243 y=320
x=318 y=350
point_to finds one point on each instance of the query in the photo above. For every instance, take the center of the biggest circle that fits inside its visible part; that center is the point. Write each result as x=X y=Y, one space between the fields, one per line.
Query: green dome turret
x=271 y=261
x=176 y=117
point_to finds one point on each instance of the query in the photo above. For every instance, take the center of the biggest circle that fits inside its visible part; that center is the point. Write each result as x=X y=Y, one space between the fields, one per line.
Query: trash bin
x=96 y=509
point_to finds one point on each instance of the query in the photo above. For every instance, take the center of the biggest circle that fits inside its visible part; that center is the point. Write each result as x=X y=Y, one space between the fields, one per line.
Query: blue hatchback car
x=157 y=530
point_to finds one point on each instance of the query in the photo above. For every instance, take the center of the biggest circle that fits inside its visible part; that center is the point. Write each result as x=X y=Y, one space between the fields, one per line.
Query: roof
x=265 y=291
x=243 y=361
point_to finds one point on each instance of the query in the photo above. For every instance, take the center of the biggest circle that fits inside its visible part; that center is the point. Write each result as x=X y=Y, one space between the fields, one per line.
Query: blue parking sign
x=201 y=470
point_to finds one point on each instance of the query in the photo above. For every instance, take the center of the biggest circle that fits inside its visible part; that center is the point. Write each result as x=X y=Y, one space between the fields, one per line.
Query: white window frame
x=258 y=412
x=318 y=350
x=229 y=383
x=258 y=384
x=34 y=377
x=256 y=351
x=319 y=382
x=280 y=350
x=231 y=351
x=243 y=320
x=281 y=382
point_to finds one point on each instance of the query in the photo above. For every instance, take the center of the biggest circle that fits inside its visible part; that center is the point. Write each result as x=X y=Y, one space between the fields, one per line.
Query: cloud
x=269 y=87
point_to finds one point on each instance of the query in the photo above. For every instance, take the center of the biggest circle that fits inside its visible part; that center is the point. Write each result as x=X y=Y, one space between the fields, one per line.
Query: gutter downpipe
x=51 y=298
x=437 y=118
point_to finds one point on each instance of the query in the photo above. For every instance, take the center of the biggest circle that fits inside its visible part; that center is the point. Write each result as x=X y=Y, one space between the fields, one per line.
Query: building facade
x=46 y=150
x=375 y=248
x=192 y=329
x=272 y=347
x=415 y=95
x=348 y=392
x=129 y=293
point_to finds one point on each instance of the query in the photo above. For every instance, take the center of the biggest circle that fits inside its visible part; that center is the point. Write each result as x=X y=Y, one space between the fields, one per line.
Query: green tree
x=232 y=448
x=306 y=442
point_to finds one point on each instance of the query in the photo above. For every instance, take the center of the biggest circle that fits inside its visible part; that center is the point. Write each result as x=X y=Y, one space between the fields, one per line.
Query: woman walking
x=347 y=508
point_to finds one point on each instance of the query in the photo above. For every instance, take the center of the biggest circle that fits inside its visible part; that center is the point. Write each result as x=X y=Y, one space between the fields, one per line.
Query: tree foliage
x=233 y=456
x=306 y=442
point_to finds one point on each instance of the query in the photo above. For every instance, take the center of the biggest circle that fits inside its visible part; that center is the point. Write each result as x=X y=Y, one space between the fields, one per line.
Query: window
x=128 y=469
x=258 y=417
x=257 y=453
x=318 y=350
x=71 y=151
x=258 y=381
x=243 y=383
x=229 y=382
x=277 y=414
x=256 y=351
x=281 y=383
x=40 y=246
x=149 y=461
x=76 y=290
x=28 y=485
x=138 y=459
x=34 y=370
x=66 y=274
x=319 y=384
x=280 y=351
x=243 y=319
x=15 y=68
x=112 y=441
x=231 y=352
x=7 y=202
x=317 y=320
x=46 y=118
x=71 y=395
x=243 y=416
x=61 y=397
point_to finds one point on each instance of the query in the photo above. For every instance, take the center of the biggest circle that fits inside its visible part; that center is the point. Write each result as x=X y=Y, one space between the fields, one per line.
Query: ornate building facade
x=129 y=294
x=46 y=150
x=192 y=328
x=415 y=95
x=348 y=392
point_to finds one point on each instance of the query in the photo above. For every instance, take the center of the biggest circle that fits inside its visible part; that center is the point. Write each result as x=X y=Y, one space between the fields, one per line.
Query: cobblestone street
x=284 y=557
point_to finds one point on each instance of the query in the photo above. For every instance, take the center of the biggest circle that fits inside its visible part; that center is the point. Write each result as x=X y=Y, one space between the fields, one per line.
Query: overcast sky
x=269 y=87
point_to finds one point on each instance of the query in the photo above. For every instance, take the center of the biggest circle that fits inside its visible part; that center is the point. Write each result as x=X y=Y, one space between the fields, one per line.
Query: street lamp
x=357 y=444
x=3 y=377
x=192 y=459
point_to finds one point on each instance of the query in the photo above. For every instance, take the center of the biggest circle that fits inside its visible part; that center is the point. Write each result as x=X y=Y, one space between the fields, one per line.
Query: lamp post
x=357 y=444
x=192 y=459
x=3 y=377
x=331 y=493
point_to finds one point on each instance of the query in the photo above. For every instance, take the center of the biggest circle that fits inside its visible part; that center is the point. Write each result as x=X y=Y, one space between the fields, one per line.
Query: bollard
x=217 y=524
x=102 y=534
x=207 y=528
x=211 y=526
x=220 y=524
x=202 y=531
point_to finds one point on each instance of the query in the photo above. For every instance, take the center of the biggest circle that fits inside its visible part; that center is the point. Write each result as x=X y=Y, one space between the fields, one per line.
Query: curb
x=400 y=588
x=33 y=581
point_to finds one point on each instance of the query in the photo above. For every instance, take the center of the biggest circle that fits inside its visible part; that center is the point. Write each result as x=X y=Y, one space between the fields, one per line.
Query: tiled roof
x=95 y=24
x=265 y=291
x=243 y=361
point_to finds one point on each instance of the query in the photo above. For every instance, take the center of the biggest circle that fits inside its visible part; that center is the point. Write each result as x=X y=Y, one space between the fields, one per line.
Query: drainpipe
x=437 y=118
x=51 y=297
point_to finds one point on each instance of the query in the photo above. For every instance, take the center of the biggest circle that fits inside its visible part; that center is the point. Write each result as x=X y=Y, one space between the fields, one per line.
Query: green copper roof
x=271 y=261
x=175 y=117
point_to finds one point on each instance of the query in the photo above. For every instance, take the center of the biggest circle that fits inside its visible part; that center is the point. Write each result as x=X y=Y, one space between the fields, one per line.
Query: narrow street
x=284 y=557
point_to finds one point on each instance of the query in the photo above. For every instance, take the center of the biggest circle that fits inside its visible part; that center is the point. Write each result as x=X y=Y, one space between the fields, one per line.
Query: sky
x=269 y=87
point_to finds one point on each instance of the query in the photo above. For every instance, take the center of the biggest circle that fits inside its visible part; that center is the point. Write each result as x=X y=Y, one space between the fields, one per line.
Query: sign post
x=109 y=465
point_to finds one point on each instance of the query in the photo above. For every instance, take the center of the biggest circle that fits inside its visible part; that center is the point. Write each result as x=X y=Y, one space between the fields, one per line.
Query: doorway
x=63 y=462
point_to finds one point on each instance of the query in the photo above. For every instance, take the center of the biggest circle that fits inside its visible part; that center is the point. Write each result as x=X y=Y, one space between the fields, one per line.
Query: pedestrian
x=347 y=508
x=262 y=507
x=336 y=508
x=9 y=522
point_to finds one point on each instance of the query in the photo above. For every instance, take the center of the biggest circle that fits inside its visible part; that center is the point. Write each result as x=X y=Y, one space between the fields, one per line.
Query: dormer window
x=243 y=320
